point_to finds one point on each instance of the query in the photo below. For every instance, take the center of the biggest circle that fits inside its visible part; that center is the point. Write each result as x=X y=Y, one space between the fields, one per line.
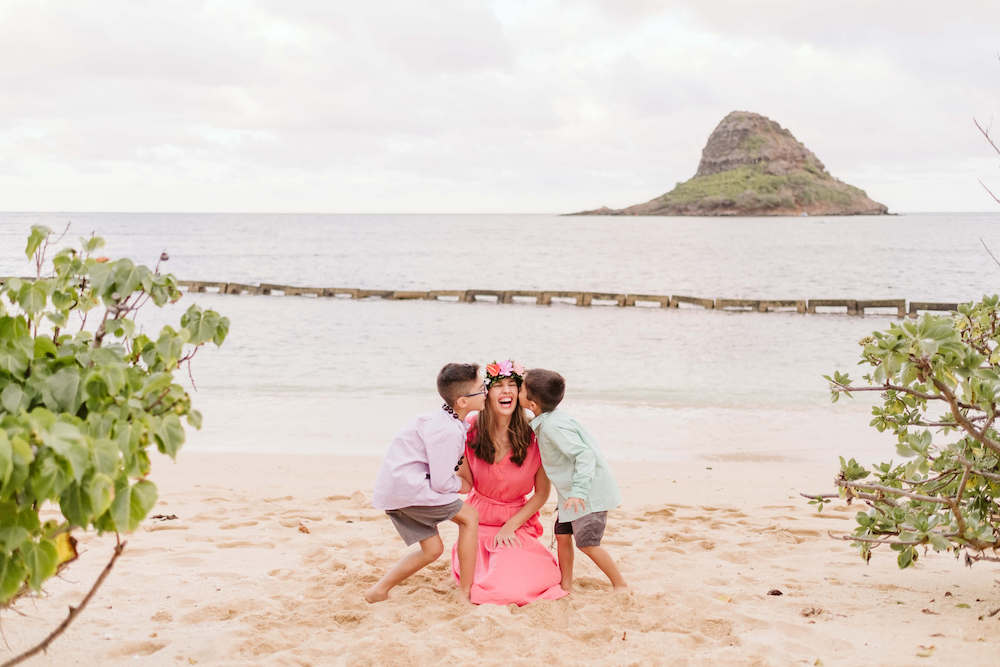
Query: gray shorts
x=417 y=523
x=587 y=531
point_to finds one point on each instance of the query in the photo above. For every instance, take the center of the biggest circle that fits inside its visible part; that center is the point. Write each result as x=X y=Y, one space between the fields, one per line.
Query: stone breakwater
x=901 y=307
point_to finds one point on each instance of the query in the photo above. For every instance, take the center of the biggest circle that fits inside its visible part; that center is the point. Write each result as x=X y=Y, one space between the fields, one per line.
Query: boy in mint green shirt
x=582 y=479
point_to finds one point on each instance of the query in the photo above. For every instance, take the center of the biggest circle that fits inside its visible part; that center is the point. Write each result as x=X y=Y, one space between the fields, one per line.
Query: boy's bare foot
x=373 y=595
x=566 y=585
x=621 y=588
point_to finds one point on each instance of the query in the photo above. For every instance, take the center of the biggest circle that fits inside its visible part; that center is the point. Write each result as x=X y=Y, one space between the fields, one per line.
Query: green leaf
x=92 y=244
x=12 y=575
x=194 y=418
x=6 y=459
x=106 y=456
x=15 y=362
x=41 y=559
x=100 y=490
x=35 y=239
x=170 y=435
x=12 y=537
x=49 y=476
x=68 y=442
x=32 y=297
x=74 y=504
x=44 y=347
x=131 y=504
x=61 y=300
x=61 y=392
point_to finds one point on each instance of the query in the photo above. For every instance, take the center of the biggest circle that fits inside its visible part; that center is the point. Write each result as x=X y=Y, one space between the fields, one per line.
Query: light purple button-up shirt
x=419 y=467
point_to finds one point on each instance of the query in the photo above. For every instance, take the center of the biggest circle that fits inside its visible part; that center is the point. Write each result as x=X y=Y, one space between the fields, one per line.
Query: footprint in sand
x=162 y=616
x=136 y=649
x=678 y=537
x=348 y=619
x=237 y=544
x=237 y=524
x=302 y=514
x=186 y=560
x=156 y=527
x=215 y=613
x=716 y=628
x=676 y=550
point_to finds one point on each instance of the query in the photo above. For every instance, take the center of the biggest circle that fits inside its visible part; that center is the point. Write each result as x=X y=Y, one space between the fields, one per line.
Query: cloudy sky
x=462 y=106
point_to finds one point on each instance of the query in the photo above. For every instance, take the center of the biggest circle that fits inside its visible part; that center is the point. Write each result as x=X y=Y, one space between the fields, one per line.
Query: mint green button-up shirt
x=574 y=464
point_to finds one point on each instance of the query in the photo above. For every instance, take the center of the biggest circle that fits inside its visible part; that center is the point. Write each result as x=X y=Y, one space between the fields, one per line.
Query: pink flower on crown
x=506 y=366
x=518 y=368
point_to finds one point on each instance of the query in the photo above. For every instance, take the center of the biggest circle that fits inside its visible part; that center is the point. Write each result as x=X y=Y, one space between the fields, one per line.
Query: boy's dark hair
x=545 y=388
x=452 y=379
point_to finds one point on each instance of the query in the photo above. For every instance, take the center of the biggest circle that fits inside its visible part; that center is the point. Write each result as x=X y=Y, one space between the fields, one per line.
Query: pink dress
x=514 y=574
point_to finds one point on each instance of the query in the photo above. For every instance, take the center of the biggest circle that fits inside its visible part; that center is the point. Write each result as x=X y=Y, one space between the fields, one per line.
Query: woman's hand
x=505 y=537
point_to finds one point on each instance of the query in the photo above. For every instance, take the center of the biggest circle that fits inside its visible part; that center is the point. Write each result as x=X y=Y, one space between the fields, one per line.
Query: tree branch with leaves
x=943 y=492
x=79 y=409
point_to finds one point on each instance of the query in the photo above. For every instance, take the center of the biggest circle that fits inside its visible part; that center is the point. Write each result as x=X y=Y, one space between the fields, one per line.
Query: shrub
x=83 y=395
x=939 y=383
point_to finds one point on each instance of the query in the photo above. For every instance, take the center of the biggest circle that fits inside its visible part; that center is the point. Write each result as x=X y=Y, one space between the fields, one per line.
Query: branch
x=73 y=611
x=875 y=540
x=990 y=252
x=986 y=134
x=888 y=489
x=981 y=473
x=969 y=559
x=988 y=191
x=962 y=419
x=903 y=390
x=851 y=494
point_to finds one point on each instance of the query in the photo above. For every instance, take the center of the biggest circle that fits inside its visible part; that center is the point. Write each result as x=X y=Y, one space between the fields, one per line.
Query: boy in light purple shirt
x=417 y=485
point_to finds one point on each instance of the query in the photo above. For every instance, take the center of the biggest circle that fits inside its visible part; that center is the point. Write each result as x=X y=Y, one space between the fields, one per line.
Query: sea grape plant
x=939 y=384
x=84 y=394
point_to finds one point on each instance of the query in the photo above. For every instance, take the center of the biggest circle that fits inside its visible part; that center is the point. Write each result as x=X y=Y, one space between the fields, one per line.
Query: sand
x=268 y=557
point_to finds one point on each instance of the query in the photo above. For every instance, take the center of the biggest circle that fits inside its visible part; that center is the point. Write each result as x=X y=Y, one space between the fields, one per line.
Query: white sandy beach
x=268 y=556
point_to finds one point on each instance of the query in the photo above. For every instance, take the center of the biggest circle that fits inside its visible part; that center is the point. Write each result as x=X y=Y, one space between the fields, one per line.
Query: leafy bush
x=83 y=395
x=939 y=380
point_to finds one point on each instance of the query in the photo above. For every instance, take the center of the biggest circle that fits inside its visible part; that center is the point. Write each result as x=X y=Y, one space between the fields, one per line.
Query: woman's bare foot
x=375 y=594
x=566 y=585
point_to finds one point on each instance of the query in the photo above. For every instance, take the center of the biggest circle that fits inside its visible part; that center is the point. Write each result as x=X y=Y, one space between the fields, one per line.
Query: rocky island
x=752 y=166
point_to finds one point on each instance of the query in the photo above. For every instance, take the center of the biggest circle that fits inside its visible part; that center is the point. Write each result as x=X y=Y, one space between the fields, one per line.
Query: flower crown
x=501 y=370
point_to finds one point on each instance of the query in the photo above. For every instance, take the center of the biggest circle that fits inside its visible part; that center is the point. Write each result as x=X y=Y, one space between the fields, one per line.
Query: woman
x=503 y=465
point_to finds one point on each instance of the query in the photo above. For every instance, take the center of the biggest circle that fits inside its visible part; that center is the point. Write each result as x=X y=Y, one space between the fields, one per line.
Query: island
x=751 y=166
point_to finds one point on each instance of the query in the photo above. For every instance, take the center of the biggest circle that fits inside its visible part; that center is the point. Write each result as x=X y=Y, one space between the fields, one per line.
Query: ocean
x=340 y=376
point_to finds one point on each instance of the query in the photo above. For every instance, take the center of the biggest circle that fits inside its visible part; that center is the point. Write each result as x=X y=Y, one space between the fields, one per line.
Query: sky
x=451 y=106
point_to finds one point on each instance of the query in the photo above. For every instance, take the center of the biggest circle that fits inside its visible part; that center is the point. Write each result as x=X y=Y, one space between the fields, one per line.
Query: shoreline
x=269 y=554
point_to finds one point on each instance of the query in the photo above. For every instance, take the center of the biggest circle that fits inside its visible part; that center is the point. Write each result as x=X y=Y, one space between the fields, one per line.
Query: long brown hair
x=520 y=435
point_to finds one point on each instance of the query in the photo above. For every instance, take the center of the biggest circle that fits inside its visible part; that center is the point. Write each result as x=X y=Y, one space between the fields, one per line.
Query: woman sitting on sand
x=503 y=465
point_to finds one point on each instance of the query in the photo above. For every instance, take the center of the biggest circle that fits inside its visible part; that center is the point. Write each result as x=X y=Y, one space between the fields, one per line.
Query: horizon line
x=221 y=212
